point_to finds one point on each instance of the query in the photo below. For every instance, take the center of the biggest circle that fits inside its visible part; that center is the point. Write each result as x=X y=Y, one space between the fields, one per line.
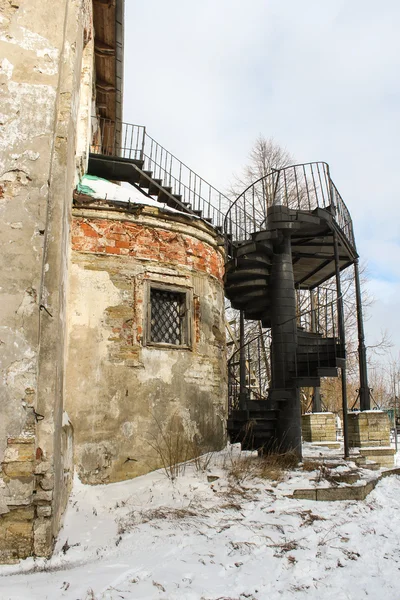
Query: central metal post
x=284 y=339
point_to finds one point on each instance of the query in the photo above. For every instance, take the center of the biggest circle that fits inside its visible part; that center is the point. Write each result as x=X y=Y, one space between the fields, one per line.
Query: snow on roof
x=102 y=189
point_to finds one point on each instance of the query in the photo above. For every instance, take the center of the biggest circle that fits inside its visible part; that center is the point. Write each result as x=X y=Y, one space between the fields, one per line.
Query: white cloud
x=320 y=77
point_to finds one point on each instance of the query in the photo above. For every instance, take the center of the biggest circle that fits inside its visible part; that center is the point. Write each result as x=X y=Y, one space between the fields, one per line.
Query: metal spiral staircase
x=288 y=231
x=286 y=235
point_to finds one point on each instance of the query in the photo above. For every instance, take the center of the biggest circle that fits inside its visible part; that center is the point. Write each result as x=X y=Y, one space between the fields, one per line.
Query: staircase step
x=153 y=187
x=145 y=182
x=242 y=301
x=307 y=217
x=327 y=372
x=307 y=334
x=316 y=343
x=315 y=357
x=239 y=286
x=250 y=248
x=258 y=405
x=164 y=195
x=307 y=381
x=263 y=236
x=255 y=261
x=263 y=310
x=241 y=274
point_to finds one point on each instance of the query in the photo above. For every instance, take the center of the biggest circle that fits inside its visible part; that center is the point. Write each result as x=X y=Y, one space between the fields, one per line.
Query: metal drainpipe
x=365 y=399
x=343 y=341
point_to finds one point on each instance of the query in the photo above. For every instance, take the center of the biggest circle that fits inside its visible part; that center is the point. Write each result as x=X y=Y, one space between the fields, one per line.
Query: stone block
x=42 y=537
x=42 y=467
x=369 y=428
x=305 y=494
x=21 y=514
x=44 y=511
x=16 y=537
x=318 y=427
x=18 y=469
x=19 y=452
x=19 y=491
x=47 y=483
x=43 y=496
x=356 y=492
x=384 y=456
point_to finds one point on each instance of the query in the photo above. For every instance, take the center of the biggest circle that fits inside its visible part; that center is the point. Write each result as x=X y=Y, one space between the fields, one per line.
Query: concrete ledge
x=334 y=494
x=331 y=445
x=382 y=455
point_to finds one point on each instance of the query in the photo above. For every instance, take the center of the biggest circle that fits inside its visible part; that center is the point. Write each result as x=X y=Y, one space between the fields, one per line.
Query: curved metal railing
x=257 y=367
x=316 y=313
x=301 y=187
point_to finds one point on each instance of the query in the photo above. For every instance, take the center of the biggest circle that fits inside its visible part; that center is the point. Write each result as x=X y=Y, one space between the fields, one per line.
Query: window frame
x=187 y=320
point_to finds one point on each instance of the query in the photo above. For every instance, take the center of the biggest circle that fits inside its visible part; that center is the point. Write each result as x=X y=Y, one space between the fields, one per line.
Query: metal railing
x=256 y=355
x=317 y=314
x=131 y=142
x=301 y=187
x=317 y=311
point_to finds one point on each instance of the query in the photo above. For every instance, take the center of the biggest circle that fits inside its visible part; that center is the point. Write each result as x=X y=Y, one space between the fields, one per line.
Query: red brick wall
x=105 y=236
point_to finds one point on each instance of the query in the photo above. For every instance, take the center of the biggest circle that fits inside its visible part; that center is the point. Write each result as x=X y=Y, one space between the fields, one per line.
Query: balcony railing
x=131 y=142
x=300 y=187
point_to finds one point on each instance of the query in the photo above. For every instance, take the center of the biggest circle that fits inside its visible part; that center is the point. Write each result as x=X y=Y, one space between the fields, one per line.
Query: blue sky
x=321 y=78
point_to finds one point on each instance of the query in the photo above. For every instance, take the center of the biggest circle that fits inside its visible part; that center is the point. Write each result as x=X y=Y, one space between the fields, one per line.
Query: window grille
x=167 y=320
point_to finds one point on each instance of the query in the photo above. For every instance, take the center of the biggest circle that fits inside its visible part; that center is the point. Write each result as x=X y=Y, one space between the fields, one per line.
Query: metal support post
x=365 y=399
x=316 y=397
x=395 y=409
x=342 y=334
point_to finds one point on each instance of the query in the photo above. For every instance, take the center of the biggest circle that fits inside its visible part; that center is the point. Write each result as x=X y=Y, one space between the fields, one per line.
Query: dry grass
x=162 y=513
x=171 y=446
x=176 y=447
x=271 y=466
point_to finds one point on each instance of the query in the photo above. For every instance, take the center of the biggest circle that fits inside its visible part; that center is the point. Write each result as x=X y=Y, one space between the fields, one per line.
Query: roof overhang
x=108 y=21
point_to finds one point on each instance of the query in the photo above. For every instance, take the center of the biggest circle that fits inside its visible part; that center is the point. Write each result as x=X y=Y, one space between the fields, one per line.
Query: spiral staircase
x=290 y=232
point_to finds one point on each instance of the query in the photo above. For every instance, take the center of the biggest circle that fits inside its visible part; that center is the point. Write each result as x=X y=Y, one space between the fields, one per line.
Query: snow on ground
x=209 y=536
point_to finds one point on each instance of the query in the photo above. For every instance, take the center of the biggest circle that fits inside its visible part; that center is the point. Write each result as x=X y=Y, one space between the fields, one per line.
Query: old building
x=113 y=341
x=115 y=257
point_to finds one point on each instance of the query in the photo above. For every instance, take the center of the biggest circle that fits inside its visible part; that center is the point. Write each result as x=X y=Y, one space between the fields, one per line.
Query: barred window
x=168 y=316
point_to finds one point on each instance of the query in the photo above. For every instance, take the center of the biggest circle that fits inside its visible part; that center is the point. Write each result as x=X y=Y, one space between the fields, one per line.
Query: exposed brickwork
x=125 y=238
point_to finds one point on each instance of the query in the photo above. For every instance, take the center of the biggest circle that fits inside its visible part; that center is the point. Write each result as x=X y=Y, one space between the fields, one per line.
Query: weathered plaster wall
x=123 y=396
x=41 y=46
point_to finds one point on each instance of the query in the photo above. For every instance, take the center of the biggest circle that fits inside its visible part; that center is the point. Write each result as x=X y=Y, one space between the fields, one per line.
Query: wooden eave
x=108 y=21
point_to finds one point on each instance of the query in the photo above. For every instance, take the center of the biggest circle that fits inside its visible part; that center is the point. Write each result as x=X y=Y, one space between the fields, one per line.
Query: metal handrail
x=325 y=323
x=304 y=186
x=256 y=372
x=131 y=142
